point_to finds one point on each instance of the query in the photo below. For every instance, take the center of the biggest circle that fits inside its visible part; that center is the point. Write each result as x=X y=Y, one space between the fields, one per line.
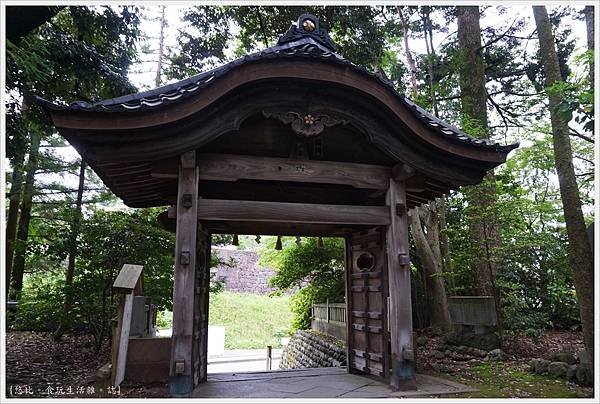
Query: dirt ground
x=37 y=366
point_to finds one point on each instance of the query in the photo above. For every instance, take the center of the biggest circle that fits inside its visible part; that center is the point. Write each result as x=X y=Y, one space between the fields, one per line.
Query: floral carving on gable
x=307 y=123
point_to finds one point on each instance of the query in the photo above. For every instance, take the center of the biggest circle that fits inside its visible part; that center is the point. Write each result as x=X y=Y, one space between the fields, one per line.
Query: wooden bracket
x=188 y=159
x=400 y=209
x=186 y=200
x=184 y=258
x=402 y=172
x=180 y=366
x=403 y=259
x=408 y=354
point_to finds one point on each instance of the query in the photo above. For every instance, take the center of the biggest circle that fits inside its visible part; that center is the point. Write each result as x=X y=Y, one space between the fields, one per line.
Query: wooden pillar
x=181 y=381
x=402 y=376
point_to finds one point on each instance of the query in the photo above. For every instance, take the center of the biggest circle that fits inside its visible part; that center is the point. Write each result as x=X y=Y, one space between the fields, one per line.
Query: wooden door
x=366 y=294
x=201 y=292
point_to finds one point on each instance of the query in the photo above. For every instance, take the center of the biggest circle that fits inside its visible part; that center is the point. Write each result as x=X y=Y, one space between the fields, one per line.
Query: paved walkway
x=316 y=383
x=243 y=360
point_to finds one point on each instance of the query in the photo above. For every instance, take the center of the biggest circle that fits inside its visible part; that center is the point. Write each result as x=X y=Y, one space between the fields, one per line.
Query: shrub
x=318 y=273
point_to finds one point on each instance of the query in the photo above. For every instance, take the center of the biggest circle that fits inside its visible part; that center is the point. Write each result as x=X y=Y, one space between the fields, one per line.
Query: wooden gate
x=201 y=290
x=367 y=292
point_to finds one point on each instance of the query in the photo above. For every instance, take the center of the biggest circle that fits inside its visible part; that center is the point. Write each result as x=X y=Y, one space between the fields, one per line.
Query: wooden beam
x=227 y=167
x=402 y=172
x=181 y=382
x=400 y=311
x=284 y=212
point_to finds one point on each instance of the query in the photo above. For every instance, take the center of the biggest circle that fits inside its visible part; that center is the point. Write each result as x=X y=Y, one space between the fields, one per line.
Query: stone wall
x=245 y=274
x=312 y=349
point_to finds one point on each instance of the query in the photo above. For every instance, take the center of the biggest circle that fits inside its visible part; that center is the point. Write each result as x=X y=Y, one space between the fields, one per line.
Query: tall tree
x=82 y=53
x=427 y=243
x=580 y=253
x=589 y=25
x=72 y=246
x=18 y=268
x=17 y=160
x=428 y=251
x=161 y=46
x=484 y=231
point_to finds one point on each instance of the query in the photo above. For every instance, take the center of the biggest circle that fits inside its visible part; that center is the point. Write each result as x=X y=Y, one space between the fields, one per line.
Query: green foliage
x=535 y=283
x=40 y=302
x=577 y=96
x=357 y=31
x=318 y=272
x=251 y=321
x=108 y=239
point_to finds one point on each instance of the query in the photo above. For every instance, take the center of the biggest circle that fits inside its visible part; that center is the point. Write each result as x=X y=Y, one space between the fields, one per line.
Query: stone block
x=541 y=366
x=584 y=375
x=497 y=355
x=571 y=373
x=558 y=369
x=486 y=342
x=566 y=357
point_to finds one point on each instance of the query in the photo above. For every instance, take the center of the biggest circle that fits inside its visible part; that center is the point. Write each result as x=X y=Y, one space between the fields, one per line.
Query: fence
x=472 y=310
x=330 y=318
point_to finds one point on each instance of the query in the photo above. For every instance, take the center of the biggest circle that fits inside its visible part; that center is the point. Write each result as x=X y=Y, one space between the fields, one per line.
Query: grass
x=497 y=379
x=251 y=321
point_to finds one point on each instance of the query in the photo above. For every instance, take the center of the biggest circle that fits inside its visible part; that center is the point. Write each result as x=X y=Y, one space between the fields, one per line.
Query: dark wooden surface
x=184 y=280
x=367 y=292
x=225 y=167
x=402 y=376
x=378 y=132
x=282 y=212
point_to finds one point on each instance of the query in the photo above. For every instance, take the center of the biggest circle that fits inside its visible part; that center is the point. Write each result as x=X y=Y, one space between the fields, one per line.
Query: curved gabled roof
x=295 y=47
x=123 y=135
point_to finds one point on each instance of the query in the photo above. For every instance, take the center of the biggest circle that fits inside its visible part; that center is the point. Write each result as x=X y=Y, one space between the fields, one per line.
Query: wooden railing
x=330 y=312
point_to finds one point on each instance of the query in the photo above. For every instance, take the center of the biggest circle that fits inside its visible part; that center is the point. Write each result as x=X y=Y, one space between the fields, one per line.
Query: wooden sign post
x=128 y=280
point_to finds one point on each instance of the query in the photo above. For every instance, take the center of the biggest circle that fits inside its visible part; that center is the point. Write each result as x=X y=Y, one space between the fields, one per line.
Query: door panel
x=367 y=292
x=199 y=351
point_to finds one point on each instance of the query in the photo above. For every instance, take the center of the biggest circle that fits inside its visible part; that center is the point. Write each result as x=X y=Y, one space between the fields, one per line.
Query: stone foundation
x=312 y=349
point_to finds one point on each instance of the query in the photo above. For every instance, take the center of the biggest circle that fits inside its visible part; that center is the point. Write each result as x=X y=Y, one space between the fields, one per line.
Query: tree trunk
x=161 y=45
x=429 y=256
x=75 y=226
x=580 y=252
x=409 y=59
x=427 y=245
x=25 y=216
x=589 y=24
x=484 y=231
x=445 y=247
x=13 y=213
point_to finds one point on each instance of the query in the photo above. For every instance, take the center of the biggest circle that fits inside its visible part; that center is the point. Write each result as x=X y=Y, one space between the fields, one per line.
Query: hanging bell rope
x=235 y=240
x=298 y=240
x=257 y=239
x=320 y=242
x=278 y=245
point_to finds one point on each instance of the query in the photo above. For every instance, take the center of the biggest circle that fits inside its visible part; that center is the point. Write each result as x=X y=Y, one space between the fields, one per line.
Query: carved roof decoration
x=307 y=27
x=296 y=43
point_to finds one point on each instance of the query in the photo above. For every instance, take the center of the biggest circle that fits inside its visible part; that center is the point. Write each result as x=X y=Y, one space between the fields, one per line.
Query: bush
x=318 y=273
